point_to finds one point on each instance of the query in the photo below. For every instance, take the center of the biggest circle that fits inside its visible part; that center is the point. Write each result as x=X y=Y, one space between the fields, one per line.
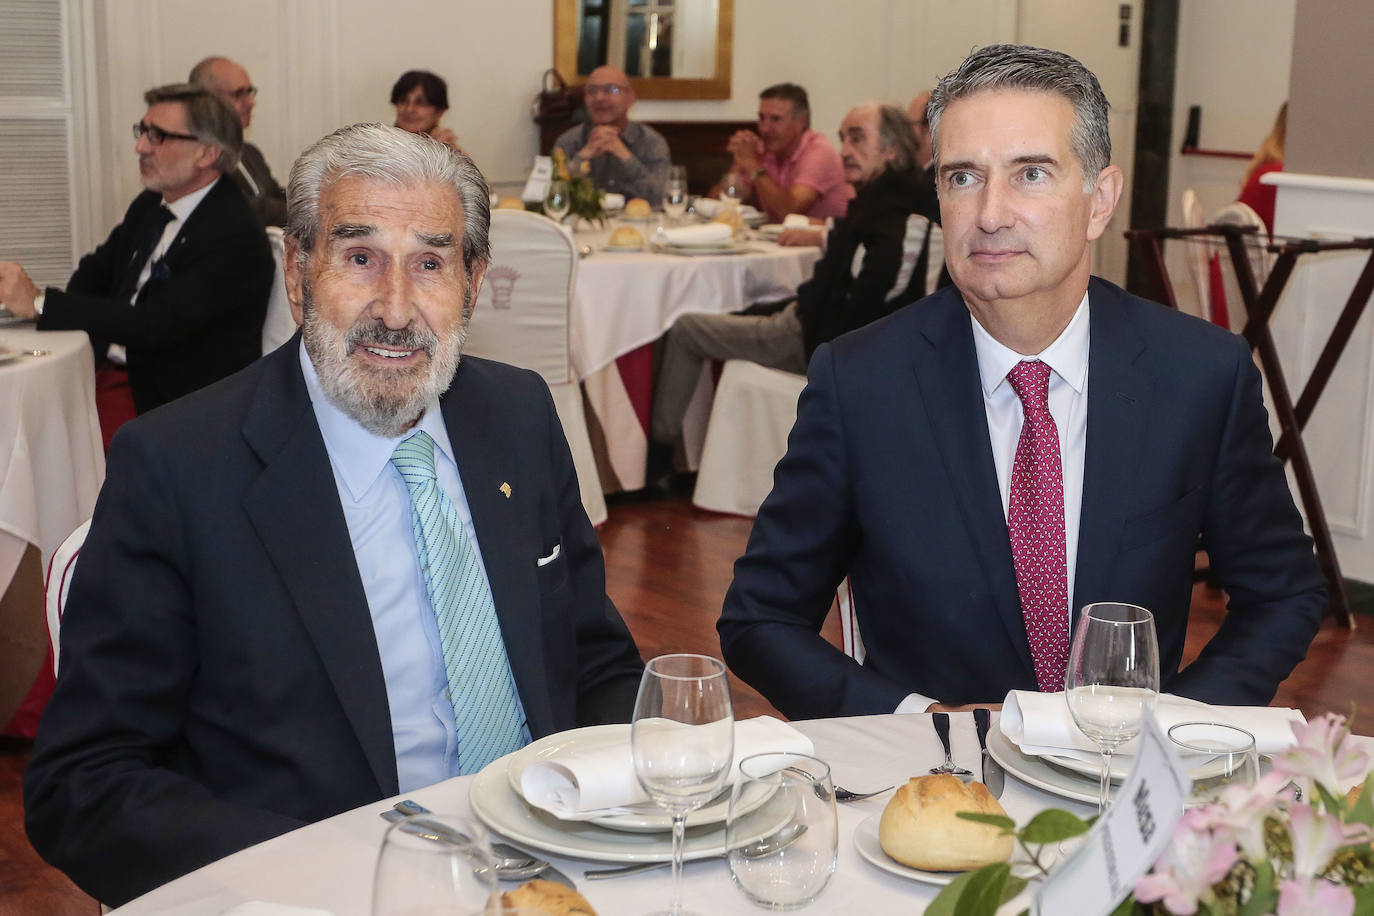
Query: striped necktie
x=481 y=687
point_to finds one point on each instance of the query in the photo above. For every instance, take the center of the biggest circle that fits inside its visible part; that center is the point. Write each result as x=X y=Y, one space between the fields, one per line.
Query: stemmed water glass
x=683 y=742
x=558 y=200
x=1113 y=678
x=732 y=189
x=675 y=193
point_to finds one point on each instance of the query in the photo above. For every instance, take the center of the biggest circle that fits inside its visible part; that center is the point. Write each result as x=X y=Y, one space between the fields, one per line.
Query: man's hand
x=17 y=291
x=604 y=139
x=746 y=147
x=967 y=707
x=801 y=238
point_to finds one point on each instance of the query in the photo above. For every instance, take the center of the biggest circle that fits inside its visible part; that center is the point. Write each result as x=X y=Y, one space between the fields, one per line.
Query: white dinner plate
x=868 y=844
x=1036 y=771
x=7 y=354
x=644 y=818
x=497 y=806
x=771 y=230
x=701 y=250
x=620 y=249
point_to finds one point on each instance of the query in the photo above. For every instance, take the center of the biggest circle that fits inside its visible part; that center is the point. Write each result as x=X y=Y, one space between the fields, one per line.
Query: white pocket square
x=545 y=561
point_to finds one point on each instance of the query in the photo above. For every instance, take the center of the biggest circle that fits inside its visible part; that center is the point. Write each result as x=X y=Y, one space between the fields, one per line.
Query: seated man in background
x=787 y=167
x=230 y=82
x=879 y=156
x=622 y=156
x=182 y=283
x=357 y=568
x=987 y=461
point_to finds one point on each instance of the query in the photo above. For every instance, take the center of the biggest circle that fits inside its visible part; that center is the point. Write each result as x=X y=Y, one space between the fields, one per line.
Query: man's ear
x=479 y=273
x=1104 y=199
x=208 y=156
x=294 y=275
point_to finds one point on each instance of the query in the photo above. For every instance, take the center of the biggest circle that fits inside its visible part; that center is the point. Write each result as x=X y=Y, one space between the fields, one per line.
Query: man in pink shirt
x=789 y=167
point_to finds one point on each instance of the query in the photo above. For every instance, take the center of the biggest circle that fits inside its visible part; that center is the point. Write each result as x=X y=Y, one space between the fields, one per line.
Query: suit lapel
x=294 y=505
x=1119 y=397
x=948 y=379
x=486 y=461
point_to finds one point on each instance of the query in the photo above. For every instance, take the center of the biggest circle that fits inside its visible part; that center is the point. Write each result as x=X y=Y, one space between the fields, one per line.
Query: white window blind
x=35 y=140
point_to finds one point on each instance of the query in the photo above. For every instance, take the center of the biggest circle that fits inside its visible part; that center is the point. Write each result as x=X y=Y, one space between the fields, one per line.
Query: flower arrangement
x=586 y=199
x=1291 y=845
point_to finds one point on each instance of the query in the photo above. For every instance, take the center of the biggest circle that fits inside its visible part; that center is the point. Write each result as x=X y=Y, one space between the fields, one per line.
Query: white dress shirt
x=1067 y=358
x=376 y=507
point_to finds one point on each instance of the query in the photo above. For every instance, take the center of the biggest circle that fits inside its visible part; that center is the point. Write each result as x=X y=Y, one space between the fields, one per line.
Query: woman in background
x=421 y=98
x=1268 y=158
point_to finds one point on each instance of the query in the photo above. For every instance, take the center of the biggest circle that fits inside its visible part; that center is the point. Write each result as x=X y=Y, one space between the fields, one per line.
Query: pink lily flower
x=1314 y=897
x=1317 y=837
x=1324 y=755
x=1194 y=861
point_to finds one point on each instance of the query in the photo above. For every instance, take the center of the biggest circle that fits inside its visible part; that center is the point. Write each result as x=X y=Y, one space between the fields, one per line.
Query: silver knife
x=993 y=775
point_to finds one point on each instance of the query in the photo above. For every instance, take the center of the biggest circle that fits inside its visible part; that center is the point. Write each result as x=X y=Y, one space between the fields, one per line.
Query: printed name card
x=537 y=185
x=1127 y=840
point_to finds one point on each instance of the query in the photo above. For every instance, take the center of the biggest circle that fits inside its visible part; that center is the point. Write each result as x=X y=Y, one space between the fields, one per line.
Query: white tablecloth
x=52 y=461
x=329 y=864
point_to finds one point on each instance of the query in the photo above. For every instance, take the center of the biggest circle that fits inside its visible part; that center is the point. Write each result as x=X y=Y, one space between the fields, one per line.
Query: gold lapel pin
x=505 y=490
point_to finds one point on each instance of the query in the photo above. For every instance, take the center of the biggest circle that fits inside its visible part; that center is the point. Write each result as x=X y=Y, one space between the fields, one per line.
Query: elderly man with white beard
x=358 y=567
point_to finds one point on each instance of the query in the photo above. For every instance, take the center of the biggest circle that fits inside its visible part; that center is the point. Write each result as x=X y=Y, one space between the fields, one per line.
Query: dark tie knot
x=414 y=458
x=1030 y=379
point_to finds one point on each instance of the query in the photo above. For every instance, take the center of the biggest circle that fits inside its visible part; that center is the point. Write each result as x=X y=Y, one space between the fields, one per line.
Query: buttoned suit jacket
x=220 y=681
x=889 y=479
x=198 y=318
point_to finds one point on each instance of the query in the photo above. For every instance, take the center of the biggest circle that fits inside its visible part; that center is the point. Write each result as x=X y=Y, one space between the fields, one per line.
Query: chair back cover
x=279 y=325
x=1199 y=253
x=61 y=568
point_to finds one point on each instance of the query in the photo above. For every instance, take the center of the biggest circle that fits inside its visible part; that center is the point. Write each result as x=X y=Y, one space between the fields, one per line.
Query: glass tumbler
x=434 y=863
x=1218 y=756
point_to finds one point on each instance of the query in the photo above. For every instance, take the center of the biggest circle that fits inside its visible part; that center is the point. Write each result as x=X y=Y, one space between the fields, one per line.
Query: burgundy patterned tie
x=1035 y=518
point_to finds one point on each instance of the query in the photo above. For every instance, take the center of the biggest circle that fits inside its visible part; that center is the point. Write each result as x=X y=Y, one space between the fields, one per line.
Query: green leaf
x=1052 y=826
x=1014 y=886
x=1329 y=801
x=1264 y=898
x=1364 y=901
x=992 y=820
x=974 y=893
x=1363 y=811
x=1125 y=907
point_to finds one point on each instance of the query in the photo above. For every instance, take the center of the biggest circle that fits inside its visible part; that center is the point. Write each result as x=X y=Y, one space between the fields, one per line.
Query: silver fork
x=941 y=722
x=841 y=793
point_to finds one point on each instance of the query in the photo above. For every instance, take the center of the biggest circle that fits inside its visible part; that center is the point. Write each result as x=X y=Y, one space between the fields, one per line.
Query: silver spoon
x=512 y=864
x=756 y=850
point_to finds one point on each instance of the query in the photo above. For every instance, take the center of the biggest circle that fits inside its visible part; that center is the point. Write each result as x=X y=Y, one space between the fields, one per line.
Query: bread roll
x=638 y=208
x=510 y=202
x=626 y=237
x=920 y=826
x=731 y=217
x=548 y=897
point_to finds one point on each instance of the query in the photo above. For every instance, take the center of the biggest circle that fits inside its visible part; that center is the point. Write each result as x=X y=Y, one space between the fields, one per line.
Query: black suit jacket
x=220 y=682
x=192 y=324
x=889 y=478
x=254 y=178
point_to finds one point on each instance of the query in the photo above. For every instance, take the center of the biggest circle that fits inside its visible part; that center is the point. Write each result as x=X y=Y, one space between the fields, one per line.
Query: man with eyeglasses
x=620 y=155
x=182 y=282
x=229 y=81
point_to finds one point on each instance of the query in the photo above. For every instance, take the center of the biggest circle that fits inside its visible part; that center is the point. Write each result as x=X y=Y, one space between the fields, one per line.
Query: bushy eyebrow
x=439 y=240
x=1028 y=159
x=351 y=231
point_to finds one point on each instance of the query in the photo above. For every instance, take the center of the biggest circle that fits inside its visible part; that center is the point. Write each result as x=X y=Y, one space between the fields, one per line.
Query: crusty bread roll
x=920 y=826
x=731 y=217
x=548 y=897
x=510 y=202
x=625 y=237
x=638 y=208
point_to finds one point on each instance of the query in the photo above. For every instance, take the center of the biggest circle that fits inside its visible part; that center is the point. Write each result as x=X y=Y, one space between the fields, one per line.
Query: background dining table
x=51 y=466
x=624 y=301
x=329 y=865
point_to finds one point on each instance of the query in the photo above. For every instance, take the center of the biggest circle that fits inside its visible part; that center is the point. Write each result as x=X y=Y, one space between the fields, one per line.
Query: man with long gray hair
x=986 y=462
x=357 y=568
x=189 y=257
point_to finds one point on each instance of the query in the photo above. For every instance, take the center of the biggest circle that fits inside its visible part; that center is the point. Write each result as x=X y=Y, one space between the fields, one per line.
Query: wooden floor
x=667 y=568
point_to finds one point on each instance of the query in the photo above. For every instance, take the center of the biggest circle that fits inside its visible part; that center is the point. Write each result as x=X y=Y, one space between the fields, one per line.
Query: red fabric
x=1217 y=284
x=637 y=375
x=25 y=721
x=114 y=400
x=1035 y=519
x=1261 y=197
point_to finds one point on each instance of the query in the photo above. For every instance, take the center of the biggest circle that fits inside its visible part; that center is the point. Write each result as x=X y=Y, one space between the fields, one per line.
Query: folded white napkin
x=707 y=206
x=1040 y=723
x=705 y=235
x=796 y=221
x=260 y=908
x=580 y=785
x=613 y=201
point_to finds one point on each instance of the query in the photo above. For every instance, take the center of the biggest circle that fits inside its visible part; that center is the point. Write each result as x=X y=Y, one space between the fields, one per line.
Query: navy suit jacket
x=194 y=322
x=889 y=478
x=220 y=682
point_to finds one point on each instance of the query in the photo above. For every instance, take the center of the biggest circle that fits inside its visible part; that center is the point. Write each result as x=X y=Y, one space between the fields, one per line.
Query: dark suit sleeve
x=1255 y=543
x=268 y=199
x=798 y=553
x=103 y=798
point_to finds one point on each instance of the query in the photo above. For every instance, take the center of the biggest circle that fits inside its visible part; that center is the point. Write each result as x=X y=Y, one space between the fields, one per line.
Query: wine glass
x=732 y=189
x=434 y=863
x=1113 y=678
x=558 y=200
x=675 y=193
x=1218 y=756
x=683 y=742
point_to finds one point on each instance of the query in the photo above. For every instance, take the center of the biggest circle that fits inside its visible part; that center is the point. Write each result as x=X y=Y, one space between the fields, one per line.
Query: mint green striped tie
x=480 y=684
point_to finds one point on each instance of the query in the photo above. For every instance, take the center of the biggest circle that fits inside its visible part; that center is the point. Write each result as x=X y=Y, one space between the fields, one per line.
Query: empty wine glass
x=433 y=863
x=683 y=742
x=675 y=193
x=732 y=189
x=1113 y=678
x=558 y=200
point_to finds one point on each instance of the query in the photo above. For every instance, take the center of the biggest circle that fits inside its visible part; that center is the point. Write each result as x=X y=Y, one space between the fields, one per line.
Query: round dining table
x=623 y=301
x=329 y=865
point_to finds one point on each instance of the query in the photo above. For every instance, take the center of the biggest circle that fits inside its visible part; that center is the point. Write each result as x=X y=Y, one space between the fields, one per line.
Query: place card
x=537 y=185
x=1125 y=841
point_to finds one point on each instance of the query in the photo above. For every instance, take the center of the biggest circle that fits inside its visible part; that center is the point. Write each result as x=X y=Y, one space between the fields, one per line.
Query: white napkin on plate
x=707 y=206
x=707 y=235
x=580 y=785
x=1040 y=723
x=796 y=221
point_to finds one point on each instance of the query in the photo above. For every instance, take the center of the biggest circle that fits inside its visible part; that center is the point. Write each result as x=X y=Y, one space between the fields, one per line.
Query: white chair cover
x=917 y=226
x=61 y=568
x=1261 y=261
x=522 y=319
x=1199 y=252
x=279 y=325
x=849 y=623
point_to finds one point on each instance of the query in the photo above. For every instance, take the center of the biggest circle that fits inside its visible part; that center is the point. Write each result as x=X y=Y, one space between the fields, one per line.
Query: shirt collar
x=1067 y=356
x=183 y=206
x=360 y=455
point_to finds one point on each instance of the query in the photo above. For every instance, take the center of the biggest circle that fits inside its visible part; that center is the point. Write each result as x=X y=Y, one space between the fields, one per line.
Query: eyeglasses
x=156 y=134
x=604 y=90
x=247 y=92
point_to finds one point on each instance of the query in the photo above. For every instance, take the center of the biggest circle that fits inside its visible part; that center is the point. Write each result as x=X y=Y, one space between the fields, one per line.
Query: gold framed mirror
x=671 y=49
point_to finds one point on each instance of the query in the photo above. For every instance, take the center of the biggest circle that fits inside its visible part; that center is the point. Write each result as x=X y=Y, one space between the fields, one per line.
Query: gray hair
x=896 y=135
x=381 y=153
x=1036 y=70
x=208 y=117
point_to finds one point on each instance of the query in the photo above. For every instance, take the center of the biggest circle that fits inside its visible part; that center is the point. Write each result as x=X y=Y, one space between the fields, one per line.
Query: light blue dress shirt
x=376 y=507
